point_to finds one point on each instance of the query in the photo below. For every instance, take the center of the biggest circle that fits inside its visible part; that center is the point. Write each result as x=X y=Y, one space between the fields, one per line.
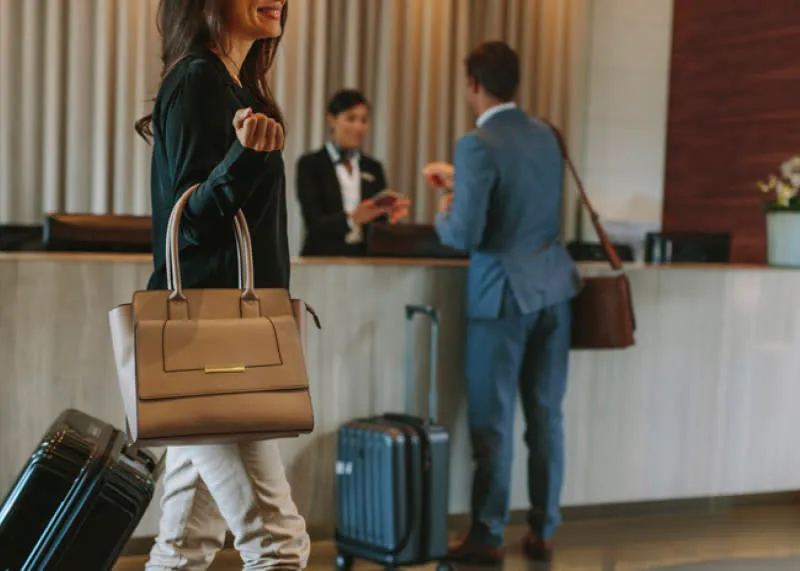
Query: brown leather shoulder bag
x=602 y=313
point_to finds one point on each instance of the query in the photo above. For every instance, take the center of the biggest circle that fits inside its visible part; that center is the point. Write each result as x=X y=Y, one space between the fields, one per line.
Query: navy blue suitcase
x=78 y=500
x=393 y=473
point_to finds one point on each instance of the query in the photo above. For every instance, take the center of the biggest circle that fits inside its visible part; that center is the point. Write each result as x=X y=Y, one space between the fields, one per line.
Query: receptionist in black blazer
x=337 y=183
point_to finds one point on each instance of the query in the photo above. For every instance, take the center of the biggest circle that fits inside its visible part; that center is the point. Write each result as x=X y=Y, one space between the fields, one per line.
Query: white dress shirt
x=350 y=183
x=492 y=111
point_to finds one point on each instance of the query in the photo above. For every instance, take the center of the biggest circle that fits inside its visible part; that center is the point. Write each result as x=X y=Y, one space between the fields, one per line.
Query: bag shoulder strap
x=608 y=248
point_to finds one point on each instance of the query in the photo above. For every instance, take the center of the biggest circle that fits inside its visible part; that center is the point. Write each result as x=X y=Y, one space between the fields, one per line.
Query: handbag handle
x=243 y=250
x=244 y=240
x=608 y=248
x=244 y=245
x=241 y=242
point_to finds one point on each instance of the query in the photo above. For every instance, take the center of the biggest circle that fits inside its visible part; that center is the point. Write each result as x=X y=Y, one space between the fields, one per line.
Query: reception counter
x=704 y=405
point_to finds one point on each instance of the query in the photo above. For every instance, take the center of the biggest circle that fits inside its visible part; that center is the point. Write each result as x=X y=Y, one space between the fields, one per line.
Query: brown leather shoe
x=474 y=554
x=537 y=550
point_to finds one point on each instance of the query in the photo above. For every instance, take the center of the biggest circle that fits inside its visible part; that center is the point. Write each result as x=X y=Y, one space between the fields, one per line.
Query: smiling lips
x=272 y=12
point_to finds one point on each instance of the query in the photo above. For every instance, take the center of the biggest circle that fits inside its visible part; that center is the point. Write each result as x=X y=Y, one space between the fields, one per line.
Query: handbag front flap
x=216 y=351
x=209 y=303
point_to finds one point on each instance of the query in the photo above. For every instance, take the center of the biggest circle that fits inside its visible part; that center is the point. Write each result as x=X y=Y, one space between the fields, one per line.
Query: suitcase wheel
x=343 y=562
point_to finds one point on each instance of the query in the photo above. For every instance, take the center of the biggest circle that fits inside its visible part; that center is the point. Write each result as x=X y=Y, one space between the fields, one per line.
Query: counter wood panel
x=703 y=405
x=721 y=139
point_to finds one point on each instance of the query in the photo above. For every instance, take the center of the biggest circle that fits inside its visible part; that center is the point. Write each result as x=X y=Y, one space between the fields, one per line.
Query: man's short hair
x=495 y=67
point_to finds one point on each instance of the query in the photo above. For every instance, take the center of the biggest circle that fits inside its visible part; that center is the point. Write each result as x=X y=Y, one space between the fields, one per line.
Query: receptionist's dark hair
x=345 y=100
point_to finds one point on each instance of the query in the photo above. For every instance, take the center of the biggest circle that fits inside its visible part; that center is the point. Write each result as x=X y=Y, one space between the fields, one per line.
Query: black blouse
x=194 y=142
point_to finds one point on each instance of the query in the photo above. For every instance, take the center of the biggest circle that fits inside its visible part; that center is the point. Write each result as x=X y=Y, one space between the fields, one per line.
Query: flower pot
x=783 y=238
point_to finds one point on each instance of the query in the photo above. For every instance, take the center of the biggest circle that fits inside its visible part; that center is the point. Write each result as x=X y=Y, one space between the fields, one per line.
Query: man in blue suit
x=505 y=209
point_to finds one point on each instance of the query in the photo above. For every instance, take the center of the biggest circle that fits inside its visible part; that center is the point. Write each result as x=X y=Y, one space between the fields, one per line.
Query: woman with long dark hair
x=216 y=126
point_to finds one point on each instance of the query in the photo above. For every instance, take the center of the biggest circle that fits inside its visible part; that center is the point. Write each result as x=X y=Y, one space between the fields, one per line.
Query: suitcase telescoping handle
x=433 y=315
x=147 y=458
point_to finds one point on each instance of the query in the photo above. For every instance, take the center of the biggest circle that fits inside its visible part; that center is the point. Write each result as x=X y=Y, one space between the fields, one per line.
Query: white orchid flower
x=790 y=167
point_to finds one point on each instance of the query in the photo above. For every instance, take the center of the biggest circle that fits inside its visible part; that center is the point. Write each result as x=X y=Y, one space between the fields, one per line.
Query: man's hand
x=258 y=132
x=439 y=175
x=446 y=202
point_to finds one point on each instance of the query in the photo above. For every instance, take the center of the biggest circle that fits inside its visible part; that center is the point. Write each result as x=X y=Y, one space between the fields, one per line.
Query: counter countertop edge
x=369 y=261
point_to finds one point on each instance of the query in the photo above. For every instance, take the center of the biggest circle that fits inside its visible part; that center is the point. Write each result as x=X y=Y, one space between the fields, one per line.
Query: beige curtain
x=75 y=75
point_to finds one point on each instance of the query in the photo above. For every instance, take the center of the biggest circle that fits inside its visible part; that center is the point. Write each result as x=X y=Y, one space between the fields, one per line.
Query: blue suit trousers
x=528 y=353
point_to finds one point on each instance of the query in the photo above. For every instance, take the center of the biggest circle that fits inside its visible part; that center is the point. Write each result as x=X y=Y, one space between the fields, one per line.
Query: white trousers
x=241 y=485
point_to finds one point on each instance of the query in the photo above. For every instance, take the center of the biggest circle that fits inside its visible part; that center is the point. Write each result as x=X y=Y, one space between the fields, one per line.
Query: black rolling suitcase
x=393 y=474
x=77 y=501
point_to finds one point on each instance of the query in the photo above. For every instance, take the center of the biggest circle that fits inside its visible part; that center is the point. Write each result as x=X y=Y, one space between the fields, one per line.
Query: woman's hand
x=439 y=175
x=366 y=212
x=258 y=132
x=398 y=210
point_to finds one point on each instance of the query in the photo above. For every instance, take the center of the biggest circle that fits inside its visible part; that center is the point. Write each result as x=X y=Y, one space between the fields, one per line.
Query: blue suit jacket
x=506 y=212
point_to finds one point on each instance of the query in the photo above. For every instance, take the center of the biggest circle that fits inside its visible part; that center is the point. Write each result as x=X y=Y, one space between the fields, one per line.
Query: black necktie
x=345 y=156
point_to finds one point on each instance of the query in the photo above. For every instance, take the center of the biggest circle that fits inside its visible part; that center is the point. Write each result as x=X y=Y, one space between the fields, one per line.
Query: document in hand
x=386 y=198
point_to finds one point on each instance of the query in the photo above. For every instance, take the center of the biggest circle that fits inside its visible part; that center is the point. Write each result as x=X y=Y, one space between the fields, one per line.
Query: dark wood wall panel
x=734 y=114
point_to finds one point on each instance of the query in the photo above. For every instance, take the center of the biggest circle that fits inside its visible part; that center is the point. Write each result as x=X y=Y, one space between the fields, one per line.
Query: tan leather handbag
x=204 y=366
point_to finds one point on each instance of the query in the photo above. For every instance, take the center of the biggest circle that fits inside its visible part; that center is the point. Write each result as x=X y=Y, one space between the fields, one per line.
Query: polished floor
x=753 y=539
